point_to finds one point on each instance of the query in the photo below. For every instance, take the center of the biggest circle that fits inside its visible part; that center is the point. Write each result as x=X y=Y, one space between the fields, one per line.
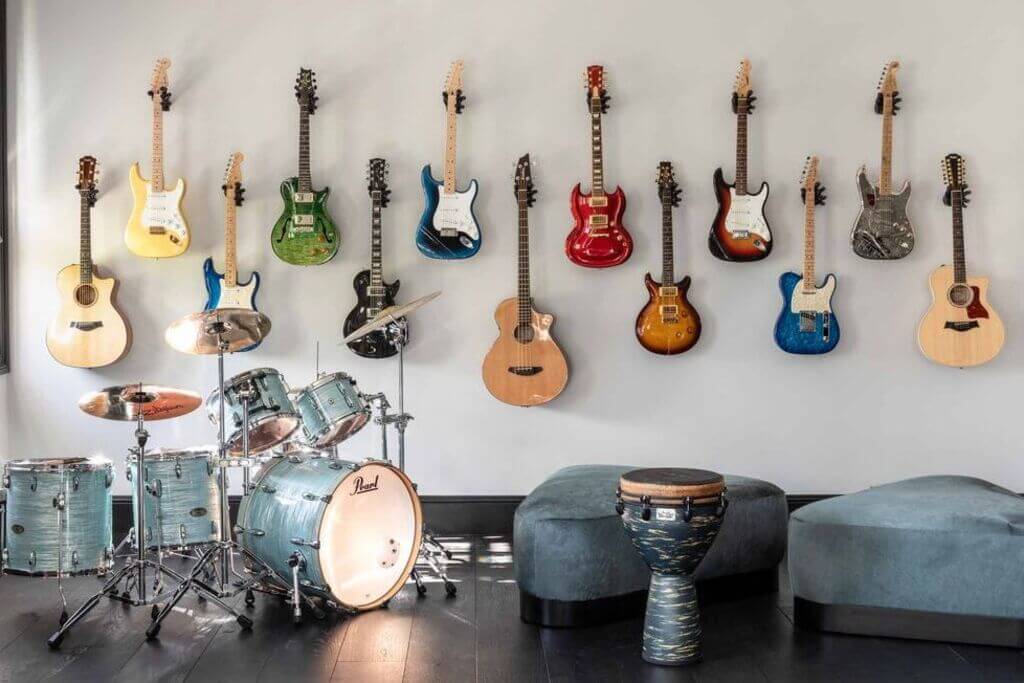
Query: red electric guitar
x=598 y=240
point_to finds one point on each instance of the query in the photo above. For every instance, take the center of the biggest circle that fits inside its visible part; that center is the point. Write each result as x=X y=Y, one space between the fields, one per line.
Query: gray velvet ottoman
x=934 y=558
x=576 y=566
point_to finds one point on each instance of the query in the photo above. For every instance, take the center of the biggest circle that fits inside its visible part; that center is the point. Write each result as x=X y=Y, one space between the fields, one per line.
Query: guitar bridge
x=86 y=326
x=961 y=326
x=448 y=232
x=525 y=370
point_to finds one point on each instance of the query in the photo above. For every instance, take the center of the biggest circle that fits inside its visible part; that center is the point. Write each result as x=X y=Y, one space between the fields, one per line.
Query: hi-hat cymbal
x=127 y=401
x=209 y=332
x=390 y=315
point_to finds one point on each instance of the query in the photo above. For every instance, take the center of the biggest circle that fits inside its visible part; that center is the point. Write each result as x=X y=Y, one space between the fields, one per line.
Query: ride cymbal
x=222 y=329
x=390 y=315
x=125 y=402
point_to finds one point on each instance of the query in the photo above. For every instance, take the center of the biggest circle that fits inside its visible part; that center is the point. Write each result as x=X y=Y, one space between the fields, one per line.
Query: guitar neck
x=525 y=304
x=741 y=151
x=449 y=146
x=596 y=151
x=809 y=281
x=230 y=231
x=85 y=245
x=959 y=261
x=376 y=268
x=305 y=179
x=157 y=170
x=667 y=263
x=885 y=177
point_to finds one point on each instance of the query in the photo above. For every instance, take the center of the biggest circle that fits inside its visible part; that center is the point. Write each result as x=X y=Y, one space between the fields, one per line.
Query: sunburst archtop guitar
x=883 y=230
x=524 y=367
x=740 y=230
x=157 y=227
x=668 y=324
x=88 y=331
x=960 y=328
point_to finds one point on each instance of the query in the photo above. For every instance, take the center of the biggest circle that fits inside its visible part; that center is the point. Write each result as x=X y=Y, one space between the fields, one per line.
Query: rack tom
x=181 y=500
x=272 y=416
x=332 y=409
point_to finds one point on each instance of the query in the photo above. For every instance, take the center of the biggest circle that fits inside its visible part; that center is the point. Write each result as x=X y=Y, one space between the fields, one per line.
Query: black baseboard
x=579 y=613
x=908 y=623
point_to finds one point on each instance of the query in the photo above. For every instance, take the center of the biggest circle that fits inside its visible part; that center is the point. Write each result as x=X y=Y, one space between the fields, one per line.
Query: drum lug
x=149 y=534
x=312 y=497
x=156 y=489
x=32 y=559
x=177 y=468
x=267 y=488
x=294 y=459
x=128 y=473
x=722 y=505
x=7 y=481
x=5 y=556
x=209 y=467
x=74 y=483
x=108 y=479
x=74 y=558
x=182 y=532
x=645 y=512
x=35 y=483
x=335 y=465
x=315 y=545
x=59 y=500
x=620 y=507
x=254 y=532
x=687 y=509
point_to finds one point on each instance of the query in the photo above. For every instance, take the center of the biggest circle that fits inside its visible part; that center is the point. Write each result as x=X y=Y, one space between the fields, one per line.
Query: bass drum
x=355 y=529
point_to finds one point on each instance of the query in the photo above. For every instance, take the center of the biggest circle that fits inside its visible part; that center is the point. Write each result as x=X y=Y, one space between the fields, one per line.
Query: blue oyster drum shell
x=59 y=516
x=272 y=416
x=332 y=409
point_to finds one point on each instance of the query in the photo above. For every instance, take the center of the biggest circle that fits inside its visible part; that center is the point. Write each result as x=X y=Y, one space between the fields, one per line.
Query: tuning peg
x=239 y=194
x=605 y=99
x=819 y=194
x=965 y=197
x=460 y=101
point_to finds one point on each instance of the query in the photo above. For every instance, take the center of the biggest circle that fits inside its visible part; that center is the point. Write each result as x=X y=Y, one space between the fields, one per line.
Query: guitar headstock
x=887 y=88
x=88 y=179
x=742 y=95
x=305 y=90
x=377 y=175
x=668 y=188
x=809 y=182
x=159 y=82
x=954 y=175
x=453 y=87
x=523 y=177
x=233 y=179
x=595 y=81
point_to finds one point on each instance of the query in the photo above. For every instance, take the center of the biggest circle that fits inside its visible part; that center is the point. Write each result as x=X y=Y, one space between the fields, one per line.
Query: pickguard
x=161 y=212
x=746 y=215
x=454 y=213
x=816 y=300
x=883 y=229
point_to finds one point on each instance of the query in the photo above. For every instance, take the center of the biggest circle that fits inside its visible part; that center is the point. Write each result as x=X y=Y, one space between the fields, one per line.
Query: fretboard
x=667 y=263
x=85 y=252
x=376 y=269
x=885 y=177
x=596 y=151
x=305 y=180
x=959 y=263
x=741 y=146
x=525 y=305
x=809 y=281
x=230 y=231
x=157 y=170
x=449 y=146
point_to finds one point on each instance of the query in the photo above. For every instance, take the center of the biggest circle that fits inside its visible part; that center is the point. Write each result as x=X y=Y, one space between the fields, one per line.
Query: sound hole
x=961 y=295
x=524 y=333
x=85 y=295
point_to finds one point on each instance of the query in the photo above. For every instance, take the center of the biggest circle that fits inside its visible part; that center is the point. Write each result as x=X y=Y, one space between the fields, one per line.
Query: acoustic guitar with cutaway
x=524 y=367
x=961 y=328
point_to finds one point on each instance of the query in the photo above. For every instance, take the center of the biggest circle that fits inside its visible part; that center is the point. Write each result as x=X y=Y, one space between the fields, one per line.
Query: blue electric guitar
x=224 y=290
x=448 y=228
x=807 y=323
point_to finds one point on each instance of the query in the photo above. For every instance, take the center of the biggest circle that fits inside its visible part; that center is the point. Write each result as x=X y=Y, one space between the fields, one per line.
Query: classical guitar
x=740 y=231
x=598 y=238
x=883 y=230
x=807 y=323
x=961 y=328
x=223 y=289
x=372 y=293
x=668 y=324
x=304 y=235
x=88 y=331
x=524 y=367
x=157 y=227
x=448 y=228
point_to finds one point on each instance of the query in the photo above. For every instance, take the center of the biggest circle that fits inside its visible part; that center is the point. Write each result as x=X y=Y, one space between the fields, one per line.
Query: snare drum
x=272 y=416
x=181 y=502
x=332 y=410
x=59 y=517
x=353 y=530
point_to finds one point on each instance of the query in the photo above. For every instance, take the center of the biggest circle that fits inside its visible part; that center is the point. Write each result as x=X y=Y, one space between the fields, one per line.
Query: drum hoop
x=365 y=411
x=91 y=464
x=332 y=378
x=62 y=575
x=166 y=455
x=253 y=423
x=250 y=374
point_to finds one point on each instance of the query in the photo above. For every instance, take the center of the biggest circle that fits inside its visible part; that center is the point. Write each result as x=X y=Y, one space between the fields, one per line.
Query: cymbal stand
x=381 y=401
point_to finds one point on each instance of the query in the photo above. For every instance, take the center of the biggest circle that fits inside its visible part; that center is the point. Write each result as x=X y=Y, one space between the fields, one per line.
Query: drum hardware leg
x=55 y=640
x=296 y=562
x=250 y=597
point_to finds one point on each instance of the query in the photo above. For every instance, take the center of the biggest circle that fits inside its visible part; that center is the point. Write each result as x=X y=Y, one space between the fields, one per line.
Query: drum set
x=322 y=532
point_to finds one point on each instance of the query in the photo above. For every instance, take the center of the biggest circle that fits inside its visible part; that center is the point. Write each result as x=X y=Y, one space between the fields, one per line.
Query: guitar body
x=740 y=230
x=524 y=374
x=220 y=295
x=88 y=330
x=959 y=335
x=443 y=214
x=598 y=239
x=668 y=324
x=806 y=324
x=312 y=244
x=376 y=344
x=157 y=227
x=883 y=230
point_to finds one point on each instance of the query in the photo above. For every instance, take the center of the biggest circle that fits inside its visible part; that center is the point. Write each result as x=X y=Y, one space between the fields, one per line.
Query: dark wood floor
x=475 y=636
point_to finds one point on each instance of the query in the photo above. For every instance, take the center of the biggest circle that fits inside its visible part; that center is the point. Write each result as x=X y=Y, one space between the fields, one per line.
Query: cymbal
x=207 y=332
x=127 y=401
x=389 y=315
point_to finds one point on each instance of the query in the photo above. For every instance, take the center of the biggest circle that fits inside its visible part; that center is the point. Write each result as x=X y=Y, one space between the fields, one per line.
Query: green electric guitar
x=304 y=235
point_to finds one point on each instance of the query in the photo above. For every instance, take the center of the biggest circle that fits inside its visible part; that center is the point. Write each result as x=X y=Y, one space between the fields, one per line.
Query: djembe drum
x=673 y=516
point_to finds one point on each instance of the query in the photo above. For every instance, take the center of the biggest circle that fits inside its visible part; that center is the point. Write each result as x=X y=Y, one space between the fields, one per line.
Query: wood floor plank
x=370 y=672
x=308 y=652
x=381 y=635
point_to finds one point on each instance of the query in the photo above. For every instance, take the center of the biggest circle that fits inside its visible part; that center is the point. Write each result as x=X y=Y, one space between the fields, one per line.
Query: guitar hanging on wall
x=448 y=228
x=883 y=230
x=88 y=330
x=372 y=293
x=524 y=367
x=740 y=230
x=807 y=323
x=157 y=227
x=304 y=235
x=668 y=324
x=598 y=238
x=960 y=328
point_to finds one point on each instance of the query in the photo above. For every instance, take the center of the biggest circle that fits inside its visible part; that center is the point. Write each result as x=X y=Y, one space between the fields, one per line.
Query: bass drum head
x=370 y=536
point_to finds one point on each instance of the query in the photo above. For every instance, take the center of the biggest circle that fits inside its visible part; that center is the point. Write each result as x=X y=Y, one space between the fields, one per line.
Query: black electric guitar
x=373 y=293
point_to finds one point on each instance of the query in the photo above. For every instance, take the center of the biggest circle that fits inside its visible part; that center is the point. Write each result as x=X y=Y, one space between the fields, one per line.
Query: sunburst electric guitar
x=88 y=331
x=668 y=324
x=524 y=367
x=740 y=230
x=157 y=227
x=448 y=228
x=961 y=328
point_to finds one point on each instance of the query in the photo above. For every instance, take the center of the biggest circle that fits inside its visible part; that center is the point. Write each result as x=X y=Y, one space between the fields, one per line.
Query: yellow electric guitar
x=88 y=331
x=157 y=227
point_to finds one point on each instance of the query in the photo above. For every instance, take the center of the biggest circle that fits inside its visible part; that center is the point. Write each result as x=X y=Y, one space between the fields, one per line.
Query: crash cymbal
x=209 y=332
x=127 y=401
x=389 y=315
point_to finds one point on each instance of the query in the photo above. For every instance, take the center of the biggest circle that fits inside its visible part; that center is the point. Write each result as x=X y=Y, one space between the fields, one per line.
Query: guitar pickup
x=157 y=230
x=86 y=326
x=961 y=326
x=597 y=201
x=598 y=221
x=303 y=197
x=448 y=232
x=668 y=291
x=525 y=371
x=303 y=220
x=669 y=314
x=807 y=321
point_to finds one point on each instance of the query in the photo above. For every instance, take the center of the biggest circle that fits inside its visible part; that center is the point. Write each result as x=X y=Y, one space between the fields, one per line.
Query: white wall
x=874 y=410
